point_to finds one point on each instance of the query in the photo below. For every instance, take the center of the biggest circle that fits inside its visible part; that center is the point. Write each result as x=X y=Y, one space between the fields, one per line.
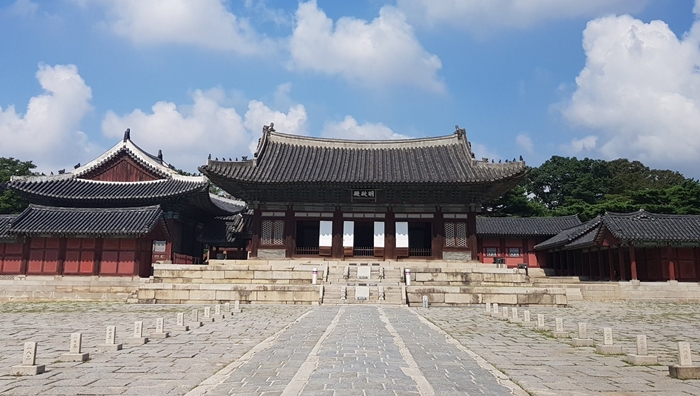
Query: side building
x=315 y=197
x=115 y=215
x=637 y=246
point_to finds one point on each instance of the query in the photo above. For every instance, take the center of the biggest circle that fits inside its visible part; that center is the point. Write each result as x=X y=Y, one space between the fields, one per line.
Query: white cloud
x=24 y=8
x=258 y=114
x=525 y=142
x=641 y=89
x=203 y=23
x=188 y=133
x=484 y=15
x=350 y=129
x=48 y=132
x=578 y=146
x=481 y=151
x=377 y=53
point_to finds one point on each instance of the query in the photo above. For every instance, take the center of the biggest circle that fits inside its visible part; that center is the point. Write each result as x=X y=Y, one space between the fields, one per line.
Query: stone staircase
x=363 y=283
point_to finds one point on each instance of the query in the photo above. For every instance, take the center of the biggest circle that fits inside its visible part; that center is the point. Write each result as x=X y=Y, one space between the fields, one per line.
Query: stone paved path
x=346 y=350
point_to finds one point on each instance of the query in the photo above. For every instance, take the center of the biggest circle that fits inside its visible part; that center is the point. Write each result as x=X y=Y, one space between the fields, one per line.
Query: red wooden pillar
x=633 y=263
x=438 y=240
x=671 y=264
x=390 y=236
x=526 y=251
x=289 y=232
x=337 y=242
x=600 y=263
x=611 y=264
x=590 y=264
x=255 y=240
x=471 y=233
x=554 y=263
x=621 y=259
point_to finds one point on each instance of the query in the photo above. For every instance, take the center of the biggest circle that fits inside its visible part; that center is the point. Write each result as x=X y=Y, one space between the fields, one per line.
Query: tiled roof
x=96 y=222
x=524 y=226
x=567 y=235
x=285 y=158
x=152 y=162
x=69 y=189
x=635 y=227
x=5 y=226
x=652 y=227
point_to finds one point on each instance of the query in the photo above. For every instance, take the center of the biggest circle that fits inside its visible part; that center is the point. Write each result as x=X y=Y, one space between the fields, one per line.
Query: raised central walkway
x=358 y=350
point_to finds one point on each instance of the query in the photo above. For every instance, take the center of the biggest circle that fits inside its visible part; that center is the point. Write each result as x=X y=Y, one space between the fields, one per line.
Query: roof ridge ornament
x=460 y=132
x=127 y=134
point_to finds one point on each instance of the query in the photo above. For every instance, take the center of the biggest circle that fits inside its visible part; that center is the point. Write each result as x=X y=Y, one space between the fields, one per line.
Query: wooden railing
x=416 y=252
x=363 y=252
x=307 y=251
x=179 y=258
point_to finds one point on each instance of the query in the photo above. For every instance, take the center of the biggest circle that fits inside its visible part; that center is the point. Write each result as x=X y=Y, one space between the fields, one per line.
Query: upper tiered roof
x=283 y=158
x=125 y=175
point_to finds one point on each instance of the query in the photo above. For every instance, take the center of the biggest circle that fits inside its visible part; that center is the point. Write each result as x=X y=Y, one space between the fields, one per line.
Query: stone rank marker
x=504 y=313
x=426 y=303
x=488 y=308
x=495 y=312
x=195 y=319
x=76 y=350
x=540 y=322
x=684 y=369
x=110 y=344
x=28 y=366
x=138 y=338
x=207 y=315
x=607 y=348
x=217 y=313
x=159 y=333
x=527 y=322
x=559 y=329
x=582 y=340
x=236 y=307
x=180 y=326
x=514 y=318
x=642 y=357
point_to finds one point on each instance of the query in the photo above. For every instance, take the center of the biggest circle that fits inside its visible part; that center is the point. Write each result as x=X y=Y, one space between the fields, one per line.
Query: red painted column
x=633 y=263
x=621 y=259
x=590 y=264
x=671 y=264
x=289 y=232
x=471 y=233
x=438 y=237
x=600 y=264
x=526 y=251
x=611 y=264
x=337 y=242
x=389 y=235
x=255 y=241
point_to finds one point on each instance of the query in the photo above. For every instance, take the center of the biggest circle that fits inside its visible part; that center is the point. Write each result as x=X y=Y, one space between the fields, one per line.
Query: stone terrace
x=346 y=350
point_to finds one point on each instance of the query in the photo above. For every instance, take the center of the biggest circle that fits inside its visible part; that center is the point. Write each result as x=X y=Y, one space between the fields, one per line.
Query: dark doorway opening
x=363 y=239
x=420 y=239
x=307 y=238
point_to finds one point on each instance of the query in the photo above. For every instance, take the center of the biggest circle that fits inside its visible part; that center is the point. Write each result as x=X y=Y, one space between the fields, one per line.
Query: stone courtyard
x=345 y=350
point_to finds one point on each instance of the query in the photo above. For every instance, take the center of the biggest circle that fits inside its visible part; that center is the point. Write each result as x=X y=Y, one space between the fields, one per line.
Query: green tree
x=10 y=202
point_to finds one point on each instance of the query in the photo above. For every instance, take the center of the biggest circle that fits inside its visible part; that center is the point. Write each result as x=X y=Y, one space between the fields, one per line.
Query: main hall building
x=316 y=197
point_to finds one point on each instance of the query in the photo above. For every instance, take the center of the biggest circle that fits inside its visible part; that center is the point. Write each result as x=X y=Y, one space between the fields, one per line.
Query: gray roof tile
x=285 y=158
x=95 y=222
x=524 y=226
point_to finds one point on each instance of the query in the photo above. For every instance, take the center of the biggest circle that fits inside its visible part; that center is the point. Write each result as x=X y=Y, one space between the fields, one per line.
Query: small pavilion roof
x=93 y=222
x=524 y=226
x=570 y=234
x=77 y=189
x=283 y=158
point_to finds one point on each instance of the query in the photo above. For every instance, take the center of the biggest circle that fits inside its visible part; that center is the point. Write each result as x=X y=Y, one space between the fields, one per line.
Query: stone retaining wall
x=73 y=288
x=461 y=296
x=173 y=293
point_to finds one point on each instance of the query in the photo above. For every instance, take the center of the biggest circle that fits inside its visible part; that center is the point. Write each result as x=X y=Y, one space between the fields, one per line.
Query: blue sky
x=596 y=78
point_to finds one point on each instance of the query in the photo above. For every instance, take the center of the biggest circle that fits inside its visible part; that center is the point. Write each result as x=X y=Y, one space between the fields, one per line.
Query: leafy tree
x=514 y=203
x=10 y=202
